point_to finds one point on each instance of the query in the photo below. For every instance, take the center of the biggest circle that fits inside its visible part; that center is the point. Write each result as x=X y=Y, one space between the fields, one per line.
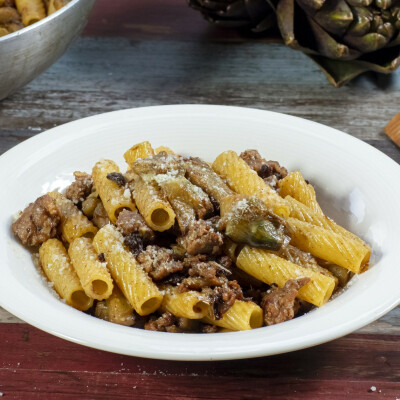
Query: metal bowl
x=27 y=53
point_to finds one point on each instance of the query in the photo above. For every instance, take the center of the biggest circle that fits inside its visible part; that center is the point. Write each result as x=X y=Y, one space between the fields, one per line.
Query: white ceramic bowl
x=356 y=184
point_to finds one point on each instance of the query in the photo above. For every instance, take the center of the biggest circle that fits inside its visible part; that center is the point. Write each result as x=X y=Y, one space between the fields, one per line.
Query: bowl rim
x=38 y=24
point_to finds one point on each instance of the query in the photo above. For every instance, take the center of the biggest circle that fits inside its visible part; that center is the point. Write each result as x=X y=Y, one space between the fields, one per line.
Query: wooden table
x=140 y=53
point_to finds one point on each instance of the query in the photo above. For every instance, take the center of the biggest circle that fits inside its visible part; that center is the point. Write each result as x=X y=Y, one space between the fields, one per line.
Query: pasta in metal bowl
x=176 y=244
x=17 y=14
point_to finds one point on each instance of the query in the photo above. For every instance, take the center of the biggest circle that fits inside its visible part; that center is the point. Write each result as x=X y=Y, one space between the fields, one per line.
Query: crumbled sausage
x=202 y=273
x=188 y=325
x=280 y=305
x=212 y=279
x=253 y=159
x=100 y=216
x=254 y=294
x=223 y=297
x=134 y=243
x=81 y=188
x=159 y=262
x=209 y=328
x=169 y=323
x=272 y=168
x=201 y=238
x=226 y=262
x=116 y=177
x=130 y=222
x=164 y=323
x=174 y=279
x=38 y=222
x=270 y=171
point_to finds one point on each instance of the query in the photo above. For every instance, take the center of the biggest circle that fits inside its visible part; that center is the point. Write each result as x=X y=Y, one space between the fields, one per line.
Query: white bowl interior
x=355 y=184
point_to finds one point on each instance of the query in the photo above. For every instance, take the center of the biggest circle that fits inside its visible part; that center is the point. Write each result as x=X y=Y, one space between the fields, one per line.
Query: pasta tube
x=153 y=205
x=303 y=213
x=186 y=199
x=55 y=5
x=115 y=309
x=243 y=315
x=59 y=270
x=133 y=281
x=31 y=11
x=328 y=245
x=73 y=223
x=242 y=179
x=93 y=274
x=187 y=304
x=270 y=268
x=140 y=150
x=115 y=198
x=294 y=185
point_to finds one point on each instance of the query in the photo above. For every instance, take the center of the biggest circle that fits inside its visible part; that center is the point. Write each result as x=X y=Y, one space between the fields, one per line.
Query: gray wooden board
x=107 y=74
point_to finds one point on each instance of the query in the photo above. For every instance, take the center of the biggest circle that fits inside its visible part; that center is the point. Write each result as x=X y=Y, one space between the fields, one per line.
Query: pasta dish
x=177 y=244
x=17 y=14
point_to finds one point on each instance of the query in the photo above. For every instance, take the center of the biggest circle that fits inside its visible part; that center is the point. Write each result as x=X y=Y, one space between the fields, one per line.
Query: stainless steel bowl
x=27 y=53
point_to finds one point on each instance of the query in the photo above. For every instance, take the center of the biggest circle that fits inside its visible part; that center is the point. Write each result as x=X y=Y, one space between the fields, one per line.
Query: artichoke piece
x=335 y=17
x=362 y=21
x=360 y=3
x=246 y=220
x=384 y=4
x=342 y=274
x=257 y=15
x=367 y=43
x=256 y=233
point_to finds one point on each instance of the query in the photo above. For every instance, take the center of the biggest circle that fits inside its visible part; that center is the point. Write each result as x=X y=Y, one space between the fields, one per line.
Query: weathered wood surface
x=99 y=75
x=41 y=364
x=141 y=53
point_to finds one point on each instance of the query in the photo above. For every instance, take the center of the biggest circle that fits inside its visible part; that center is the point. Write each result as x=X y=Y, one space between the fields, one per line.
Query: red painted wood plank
x=155 y=19
x=34 y=364
x=79 y=385
x=376 y=356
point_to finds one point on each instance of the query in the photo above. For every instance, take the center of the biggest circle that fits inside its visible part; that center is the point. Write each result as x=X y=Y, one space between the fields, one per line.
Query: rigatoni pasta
x=242 y=179
x=294 y=185
x=114 y=197
x=93 y=274
x=59 y=270
x=270 y=268
x=328 y=245
x=241 y=316
x=134 y=283
x=190 y=304
x=303 y=213
x=241 y=245
x=153 y=205
x=140 y=150
x=31 y=11
x=21 y=13
x=73 y=223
